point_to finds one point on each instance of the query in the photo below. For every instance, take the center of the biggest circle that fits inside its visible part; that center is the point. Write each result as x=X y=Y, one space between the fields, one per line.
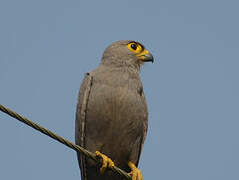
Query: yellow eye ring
x=135 y=47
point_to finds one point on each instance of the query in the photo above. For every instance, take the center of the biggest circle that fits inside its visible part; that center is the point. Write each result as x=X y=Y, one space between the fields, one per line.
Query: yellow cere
x=144 y=52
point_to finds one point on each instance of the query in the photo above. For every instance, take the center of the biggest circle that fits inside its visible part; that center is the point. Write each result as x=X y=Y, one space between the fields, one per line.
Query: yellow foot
x=106 y=162
x=135 y=172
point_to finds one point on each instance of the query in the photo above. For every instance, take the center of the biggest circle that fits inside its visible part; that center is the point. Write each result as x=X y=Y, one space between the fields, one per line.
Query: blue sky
x=191 y=89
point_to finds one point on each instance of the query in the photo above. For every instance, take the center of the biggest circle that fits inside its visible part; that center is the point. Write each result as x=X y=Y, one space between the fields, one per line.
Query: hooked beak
x=146 y=56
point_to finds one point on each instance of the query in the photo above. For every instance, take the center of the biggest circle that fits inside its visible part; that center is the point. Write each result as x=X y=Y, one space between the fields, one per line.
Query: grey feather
x=112 y=115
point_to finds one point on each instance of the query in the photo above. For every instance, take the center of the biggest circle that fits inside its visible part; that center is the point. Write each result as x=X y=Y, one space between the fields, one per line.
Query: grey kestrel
x=112 y=115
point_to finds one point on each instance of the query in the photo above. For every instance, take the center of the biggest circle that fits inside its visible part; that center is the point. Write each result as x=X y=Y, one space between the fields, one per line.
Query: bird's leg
x=106 y=162
x=135 y=172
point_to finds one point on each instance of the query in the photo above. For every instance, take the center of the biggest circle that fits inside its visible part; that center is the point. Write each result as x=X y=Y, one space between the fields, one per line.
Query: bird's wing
x=80 y=119
x=144 y=133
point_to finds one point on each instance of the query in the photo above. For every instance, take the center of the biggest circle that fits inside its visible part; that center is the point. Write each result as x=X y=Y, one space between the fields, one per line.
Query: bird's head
x=126 y=53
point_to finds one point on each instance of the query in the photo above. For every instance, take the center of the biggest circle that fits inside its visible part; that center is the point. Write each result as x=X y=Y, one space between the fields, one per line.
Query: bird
x=112 y=113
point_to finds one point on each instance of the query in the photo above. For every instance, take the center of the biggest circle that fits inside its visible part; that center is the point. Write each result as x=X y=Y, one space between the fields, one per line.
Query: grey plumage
x=112 y=114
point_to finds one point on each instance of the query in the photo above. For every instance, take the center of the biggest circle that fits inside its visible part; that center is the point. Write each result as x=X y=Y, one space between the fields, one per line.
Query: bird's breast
x=115 y=111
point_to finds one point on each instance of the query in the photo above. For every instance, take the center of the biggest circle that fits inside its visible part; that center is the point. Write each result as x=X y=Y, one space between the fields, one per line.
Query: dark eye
x=133 y=46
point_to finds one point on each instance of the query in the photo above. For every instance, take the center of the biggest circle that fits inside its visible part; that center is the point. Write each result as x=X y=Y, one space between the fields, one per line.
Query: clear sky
x=191 y=89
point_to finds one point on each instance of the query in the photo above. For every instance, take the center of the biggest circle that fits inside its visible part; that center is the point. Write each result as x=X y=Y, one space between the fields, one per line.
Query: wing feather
x=80 y=121
x=145 y=129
